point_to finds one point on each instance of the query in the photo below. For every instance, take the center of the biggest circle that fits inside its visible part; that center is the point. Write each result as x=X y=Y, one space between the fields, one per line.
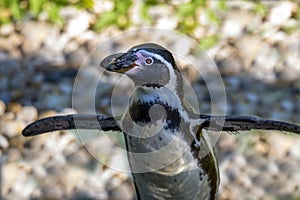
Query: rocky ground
x=257 y=56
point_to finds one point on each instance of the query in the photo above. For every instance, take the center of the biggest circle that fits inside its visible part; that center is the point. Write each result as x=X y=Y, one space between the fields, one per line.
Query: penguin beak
x=120 y=63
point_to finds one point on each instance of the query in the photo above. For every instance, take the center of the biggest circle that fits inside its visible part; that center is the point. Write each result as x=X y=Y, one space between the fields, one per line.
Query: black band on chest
x=142 y=112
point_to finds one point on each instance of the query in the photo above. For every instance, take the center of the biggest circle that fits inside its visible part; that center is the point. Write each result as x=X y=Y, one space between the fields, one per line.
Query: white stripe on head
x=173 y=78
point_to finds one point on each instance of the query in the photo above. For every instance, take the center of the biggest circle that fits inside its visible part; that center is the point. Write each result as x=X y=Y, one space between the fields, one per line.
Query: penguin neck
x=150 y=96
x=170 y=94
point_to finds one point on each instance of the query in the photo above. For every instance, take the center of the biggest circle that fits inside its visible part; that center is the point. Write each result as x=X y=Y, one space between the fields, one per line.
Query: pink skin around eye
x=139 y=63
x=141 y=59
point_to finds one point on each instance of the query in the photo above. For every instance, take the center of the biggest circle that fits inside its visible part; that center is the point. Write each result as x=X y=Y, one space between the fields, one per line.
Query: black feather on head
x=157 y=49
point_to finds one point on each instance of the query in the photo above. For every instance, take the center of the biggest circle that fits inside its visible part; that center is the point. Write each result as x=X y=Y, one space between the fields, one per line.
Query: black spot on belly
x=200 y=176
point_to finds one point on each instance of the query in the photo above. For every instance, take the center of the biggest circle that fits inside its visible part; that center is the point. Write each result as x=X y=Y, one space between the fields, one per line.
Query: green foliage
x=212 y=17
x=14 y=10
x=187 y=13
x=290 y=28
x=53 y=13
x=209 y=41
x=146 y=5
x=119 y=16
x=260 y=9
x=297 y=15
x=144 y=13
x=36 y=7
x=222 y=5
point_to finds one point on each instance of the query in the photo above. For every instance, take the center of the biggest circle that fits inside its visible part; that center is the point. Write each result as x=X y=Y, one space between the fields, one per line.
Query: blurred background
x=255 y=45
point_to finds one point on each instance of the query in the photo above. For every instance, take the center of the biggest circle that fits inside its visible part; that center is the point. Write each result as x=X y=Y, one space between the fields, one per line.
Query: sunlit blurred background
x=255 y=45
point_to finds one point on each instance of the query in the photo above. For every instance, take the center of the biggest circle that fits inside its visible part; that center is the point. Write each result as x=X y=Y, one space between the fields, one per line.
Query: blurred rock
x=72 y=179
x=281 y=12
x=230 y=65
x=53 y=190
x=27 y=114
x=182 y=47
x=9 y=67
x=66 y=86
x=47 y=113
x=11 y=128
x=2 y=107
x=3 y=142
x=79 y=24
x=54 y=101
x=76 y=58
x=36 y=34
x=17 y=184
x=15 y=107
x=167 y=23
x=233 y=28
x=248 y=48
x=7 y=29
x=121 y=192
x=81 y=157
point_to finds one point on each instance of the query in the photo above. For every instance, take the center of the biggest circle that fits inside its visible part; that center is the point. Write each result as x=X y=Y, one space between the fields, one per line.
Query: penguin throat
x=153 y=85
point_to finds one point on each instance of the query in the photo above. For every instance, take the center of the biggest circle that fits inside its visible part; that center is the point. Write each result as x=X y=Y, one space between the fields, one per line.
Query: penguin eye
x=149 y=61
